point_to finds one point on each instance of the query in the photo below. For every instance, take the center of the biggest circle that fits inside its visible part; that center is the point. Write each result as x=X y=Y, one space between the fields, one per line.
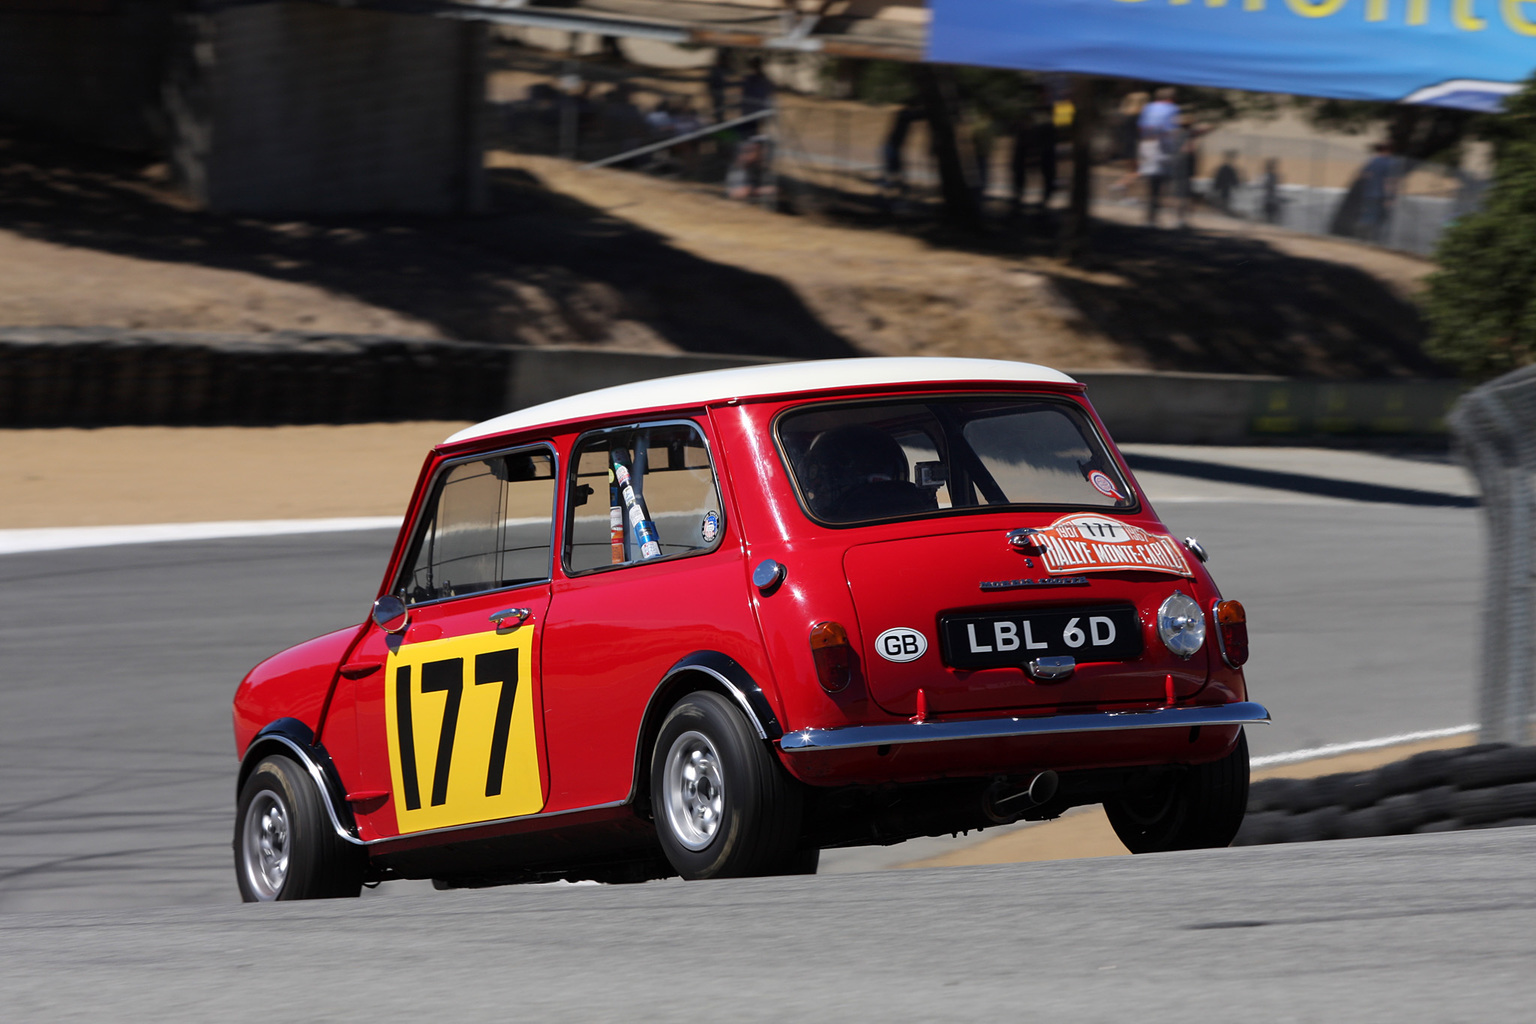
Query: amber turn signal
x=1232 y=632
x=833 y=655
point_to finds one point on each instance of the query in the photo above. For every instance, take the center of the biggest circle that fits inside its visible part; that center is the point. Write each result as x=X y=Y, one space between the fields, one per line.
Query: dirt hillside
x=616 y=259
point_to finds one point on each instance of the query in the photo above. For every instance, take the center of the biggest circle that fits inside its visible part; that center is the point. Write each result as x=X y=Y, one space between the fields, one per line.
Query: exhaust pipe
x=1004 y=802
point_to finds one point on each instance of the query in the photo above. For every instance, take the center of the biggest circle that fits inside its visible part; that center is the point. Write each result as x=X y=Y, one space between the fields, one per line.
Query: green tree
x=1481 y=303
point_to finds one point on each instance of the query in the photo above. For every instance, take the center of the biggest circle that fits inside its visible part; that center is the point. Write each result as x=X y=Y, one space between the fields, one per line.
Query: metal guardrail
x=652 y=147
x=1494 y=431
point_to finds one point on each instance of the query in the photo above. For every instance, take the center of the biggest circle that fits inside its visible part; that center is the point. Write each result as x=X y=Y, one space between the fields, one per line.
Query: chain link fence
x=1494 y=431
x=840 y=154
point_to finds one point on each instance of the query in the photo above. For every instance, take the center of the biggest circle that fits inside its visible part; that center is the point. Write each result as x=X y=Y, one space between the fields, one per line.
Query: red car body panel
x=601 y=668
x=290 y=684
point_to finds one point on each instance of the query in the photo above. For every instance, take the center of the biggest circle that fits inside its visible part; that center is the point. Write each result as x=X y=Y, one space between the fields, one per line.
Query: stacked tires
x=1436 y=791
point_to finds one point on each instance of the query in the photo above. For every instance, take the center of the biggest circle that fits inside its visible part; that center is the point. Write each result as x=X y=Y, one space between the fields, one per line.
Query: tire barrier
x=98 y=377
x=79 y=377
x=1484 y=786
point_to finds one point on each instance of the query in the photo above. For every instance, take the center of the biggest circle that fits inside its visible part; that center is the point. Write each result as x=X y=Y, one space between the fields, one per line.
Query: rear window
x=862 y=462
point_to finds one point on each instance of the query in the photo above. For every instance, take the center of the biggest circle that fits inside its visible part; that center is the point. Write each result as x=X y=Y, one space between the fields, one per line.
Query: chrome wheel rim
x=265 y=846
x=693 y=790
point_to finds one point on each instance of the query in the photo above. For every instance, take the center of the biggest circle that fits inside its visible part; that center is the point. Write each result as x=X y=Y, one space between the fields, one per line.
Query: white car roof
x=712 y=386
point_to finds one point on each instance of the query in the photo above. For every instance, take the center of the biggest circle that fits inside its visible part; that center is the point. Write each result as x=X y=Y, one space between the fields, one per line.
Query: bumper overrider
x=854 y=736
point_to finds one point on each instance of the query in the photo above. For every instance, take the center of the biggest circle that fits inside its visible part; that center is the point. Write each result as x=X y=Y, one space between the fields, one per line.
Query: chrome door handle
x=500 y=618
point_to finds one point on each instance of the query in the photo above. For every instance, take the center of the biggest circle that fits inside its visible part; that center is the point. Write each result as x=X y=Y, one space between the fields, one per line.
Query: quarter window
x=488 y=526
x=641 y=493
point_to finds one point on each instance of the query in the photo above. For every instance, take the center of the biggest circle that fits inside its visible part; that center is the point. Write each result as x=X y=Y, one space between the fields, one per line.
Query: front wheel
x=724 y=808
x=1200 y=809
x=285 y=848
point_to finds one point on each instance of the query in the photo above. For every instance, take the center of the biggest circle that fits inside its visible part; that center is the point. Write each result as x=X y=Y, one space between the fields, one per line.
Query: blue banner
x=1459 y=53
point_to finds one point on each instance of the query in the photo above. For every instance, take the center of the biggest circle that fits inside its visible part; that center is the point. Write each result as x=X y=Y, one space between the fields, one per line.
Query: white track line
x=13 y=542
x=64 y=538
x=1335 y=749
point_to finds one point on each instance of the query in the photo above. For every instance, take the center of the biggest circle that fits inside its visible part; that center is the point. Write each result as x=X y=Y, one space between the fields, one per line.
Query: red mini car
x=710 y=625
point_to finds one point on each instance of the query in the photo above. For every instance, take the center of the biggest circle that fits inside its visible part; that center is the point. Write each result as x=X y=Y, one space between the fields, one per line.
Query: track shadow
x=539 y=268
x=1300 y=483
x=1188 y=300
x=1223 y=303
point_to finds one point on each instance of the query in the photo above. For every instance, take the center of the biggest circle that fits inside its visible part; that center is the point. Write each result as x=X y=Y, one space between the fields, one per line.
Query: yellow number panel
x=460 y=729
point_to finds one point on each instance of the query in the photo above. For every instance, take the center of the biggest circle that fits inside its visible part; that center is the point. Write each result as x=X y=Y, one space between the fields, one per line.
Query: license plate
x=994 y=639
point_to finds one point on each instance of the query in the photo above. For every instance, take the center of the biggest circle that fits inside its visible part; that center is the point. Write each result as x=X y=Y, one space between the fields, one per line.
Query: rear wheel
x=285 y=848
x=1199 y=809
x=724 y=807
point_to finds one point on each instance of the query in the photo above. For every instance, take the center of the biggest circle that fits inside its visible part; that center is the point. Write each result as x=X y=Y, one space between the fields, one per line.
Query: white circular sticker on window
x=709 y=529
x=1104 y=485
x=901 y=644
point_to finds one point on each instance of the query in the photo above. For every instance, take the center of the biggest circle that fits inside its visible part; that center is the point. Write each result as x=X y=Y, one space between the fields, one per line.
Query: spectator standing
x=1127 y=135
x=1034 y=145
x=1269 y=187
x=1159 y=116
x=983 y=135
x=756 y=89
x=1152 y=168
x=659 y=119
x=1183 y=154
x=751 y=173
x=1158 y=121
x=893 y=178
x=716 y=82
x=684 y=121
x=1378 y=189
x=1226 y=181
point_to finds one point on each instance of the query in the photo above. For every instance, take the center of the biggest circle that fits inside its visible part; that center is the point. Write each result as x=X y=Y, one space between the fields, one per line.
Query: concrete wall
x=1212 y=408
x=298 y=108
x=86 y=70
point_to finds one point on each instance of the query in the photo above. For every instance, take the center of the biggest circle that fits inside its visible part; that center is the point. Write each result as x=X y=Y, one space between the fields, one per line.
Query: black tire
x=285 y=847
x=1261 y=828
x=742 y=815
x=803 y=861
x=1202 y=808
x=1499 y=766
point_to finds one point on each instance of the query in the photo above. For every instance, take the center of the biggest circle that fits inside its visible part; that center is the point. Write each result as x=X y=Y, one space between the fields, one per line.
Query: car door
x=652 y=572
x=449 y=729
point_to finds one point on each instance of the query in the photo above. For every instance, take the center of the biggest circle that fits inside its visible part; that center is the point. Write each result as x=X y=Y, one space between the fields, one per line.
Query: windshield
x=862 y=462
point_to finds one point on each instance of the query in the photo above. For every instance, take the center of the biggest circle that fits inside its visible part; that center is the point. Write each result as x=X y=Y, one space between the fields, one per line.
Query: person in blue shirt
x=1161 y=115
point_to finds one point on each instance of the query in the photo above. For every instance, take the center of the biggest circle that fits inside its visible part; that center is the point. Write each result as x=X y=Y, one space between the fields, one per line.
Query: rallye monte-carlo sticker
x=1084 y=543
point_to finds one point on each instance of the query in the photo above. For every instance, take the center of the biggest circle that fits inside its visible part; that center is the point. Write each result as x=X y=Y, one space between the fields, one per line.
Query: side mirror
x=390 y=615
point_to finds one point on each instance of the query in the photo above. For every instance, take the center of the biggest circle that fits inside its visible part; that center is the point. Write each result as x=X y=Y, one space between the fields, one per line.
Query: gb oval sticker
x=901 y=644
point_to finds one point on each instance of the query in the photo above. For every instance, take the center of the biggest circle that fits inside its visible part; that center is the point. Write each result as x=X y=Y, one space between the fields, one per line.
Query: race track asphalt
x=1394 y=930
x=117 y=666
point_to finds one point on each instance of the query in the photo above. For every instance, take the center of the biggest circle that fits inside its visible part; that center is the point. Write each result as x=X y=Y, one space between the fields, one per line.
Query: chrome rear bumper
x=1242 y=713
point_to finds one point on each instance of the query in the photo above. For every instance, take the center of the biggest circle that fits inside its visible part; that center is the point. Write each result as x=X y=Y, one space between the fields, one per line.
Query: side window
x=488 y=526
x=641 y=493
